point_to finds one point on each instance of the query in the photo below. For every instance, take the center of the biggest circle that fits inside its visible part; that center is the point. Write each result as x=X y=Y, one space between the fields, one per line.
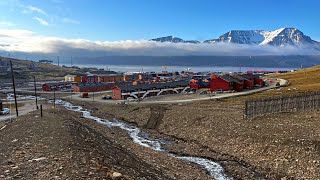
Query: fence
x=290 y=103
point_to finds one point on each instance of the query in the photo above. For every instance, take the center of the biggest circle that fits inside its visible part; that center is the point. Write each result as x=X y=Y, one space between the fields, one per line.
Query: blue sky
x=114 y=20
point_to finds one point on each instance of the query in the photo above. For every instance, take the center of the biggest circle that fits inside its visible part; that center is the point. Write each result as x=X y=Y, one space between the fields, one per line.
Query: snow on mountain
x=279 y=37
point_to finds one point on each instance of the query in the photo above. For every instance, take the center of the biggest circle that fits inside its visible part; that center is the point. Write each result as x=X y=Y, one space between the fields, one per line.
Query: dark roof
x=58 y=83
x=154 y=85
x=98 y=84
x=230 y=79
x=241 y=77
x=252 y=75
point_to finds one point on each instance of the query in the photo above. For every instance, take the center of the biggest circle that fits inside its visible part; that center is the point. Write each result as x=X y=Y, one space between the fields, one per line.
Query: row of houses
x=98 y=86
x=228 y=82
x=57 y=86
x=100 y=78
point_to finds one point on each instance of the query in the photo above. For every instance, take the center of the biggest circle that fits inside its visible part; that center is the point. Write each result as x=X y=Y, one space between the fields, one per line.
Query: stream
x=214 y=169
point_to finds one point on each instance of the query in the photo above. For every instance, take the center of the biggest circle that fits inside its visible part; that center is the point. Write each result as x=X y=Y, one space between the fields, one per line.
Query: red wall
x=116 y=94
x=238 y=87
x=194 y=85
x=219 y=83
x=84 y=79
x=258 y=81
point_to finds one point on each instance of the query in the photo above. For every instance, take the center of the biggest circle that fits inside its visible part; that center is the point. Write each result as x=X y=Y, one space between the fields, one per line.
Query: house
x=247 y=82
x=225 y=83
x=111 y=78
x=57 y=86
x=72 y=78
x=256 y=79
x=149 y=89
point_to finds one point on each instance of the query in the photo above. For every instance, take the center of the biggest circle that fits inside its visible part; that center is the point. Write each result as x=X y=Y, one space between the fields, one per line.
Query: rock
x=116 y=174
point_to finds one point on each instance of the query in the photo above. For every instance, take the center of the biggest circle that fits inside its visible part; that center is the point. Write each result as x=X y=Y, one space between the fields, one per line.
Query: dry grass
x=305 y=80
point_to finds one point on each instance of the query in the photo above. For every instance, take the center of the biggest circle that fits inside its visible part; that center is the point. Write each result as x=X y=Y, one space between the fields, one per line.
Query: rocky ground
x=62 y=145
x=276 y=146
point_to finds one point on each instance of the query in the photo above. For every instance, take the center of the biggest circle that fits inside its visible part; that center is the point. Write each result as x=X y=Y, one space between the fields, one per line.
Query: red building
x=225 y=83
x=57 y=86
x=92 y=87
x=256 y=79
x=116 y=93
x=111 y=78
x=92 y=79
x=84 y=79
x=247 y=82
x=194 y=84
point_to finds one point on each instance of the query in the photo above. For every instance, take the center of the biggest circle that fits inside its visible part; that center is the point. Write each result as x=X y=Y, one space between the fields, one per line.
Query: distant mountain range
x=279 y=37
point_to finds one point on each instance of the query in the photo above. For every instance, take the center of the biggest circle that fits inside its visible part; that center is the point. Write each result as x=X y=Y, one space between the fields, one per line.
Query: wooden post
x=14 y=89
x=41 y=110
x=54 y=98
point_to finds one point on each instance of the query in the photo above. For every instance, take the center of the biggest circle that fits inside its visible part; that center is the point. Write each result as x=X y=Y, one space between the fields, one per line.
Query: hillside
x=25 y=69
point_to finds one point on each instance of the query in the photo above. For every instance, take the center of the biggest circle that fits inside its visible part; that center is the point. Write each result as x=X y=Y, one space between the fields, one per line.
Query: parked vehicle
x=106 y=97
x=4 y=111
x=85 y=95
x=131 y=99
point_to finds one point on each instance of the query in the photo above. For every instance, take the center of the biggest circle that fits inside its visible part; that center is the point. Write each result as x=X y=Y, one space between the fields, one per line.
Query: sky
x=114 y=20
x=85 y=24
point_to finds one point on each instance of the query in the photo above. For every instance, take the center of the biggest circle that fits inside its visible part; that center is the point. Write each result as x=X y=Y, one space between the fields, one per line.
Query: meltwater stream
x=214 y=169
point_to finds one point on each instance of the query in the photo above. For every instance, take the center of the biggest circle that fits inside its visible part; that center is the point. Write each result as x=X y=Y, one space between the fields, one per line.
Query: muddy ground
x=62 y=145
x=275 y=146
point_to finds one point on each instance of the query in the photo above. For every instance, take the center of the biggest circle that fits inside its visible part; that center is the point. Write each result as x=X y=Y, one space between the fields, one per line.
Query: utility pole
x=71 y=61
x=14 y=89
x=58 y=60
x=35 y=91
x=54 y=97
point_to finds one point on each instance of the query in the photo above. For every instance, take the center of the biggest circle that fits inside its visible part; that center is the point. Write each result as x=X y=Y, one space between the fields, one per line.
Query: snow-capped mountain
x=279 y=37
x=173 y=39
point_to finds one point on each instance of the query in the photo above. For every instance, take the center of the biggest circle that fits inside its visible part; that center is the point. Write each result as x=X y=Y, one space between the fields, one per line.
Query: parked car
x=106 y=97
x=4 y=111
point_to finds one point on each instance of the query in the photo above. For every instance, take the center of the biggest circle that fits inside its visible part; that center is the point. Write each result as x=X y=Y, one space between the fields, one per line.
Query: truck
x=85 y=95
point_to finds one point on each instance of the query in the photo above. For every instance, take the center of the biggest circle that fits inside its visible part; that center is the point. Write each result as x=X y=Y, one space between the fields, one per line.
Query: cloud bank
x=24 y=41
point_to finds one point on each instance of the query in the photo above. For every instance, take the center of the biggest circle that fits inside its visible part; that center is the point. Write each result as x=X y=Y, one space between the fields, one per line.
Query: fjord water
x=135 y=68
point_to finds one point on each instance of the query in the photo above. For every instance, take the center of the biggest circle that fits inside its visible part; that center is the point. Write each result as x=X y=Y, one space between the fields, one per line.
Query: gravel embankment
x=64 y=146
x=276 y=146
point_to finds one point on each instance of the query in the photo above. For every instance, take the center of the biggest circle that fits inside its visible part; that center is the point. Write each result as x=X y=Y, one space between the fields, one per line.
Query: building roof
x=59 y=83
x=70 y=75
x=252 y=75
x=240 y=76
x=97 y=84
x=154 y=85
x=230 y=79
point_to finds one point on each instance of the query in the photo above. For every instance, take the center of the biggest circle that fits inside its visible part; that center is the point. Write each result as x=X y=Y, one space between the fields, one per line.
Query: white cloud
x=70 y=21
x=6 y=23
x=30 y=42
x=31 y=9
x=41 y=21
